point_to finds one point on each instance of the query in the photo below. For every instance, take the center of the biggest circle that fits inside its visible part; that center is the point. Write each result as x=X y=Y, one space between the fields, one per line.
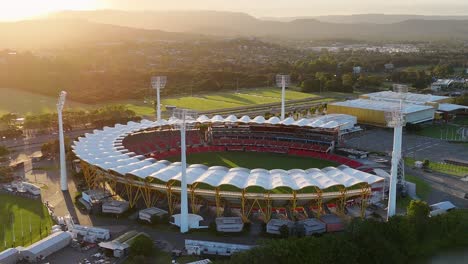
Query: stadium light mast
x=63 y=164
x=184 y=119
x=396 y=120
x=158 y=83
x=282 y=81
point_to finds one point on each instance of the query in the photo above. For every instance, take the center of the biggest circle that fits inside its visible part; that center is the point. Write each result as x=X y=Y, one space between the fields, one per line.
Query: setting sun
x=24 y=9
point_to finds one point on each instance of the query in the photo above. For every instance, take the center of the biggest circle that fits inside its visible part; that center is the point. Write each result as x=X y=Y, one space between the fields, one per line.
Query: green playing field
x=17 y=216
x=252 y=160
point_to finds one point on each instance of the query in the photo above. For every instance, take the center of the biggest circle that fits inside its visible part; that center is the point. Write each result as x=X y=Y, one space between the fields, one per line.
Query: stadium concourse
x=128 y=160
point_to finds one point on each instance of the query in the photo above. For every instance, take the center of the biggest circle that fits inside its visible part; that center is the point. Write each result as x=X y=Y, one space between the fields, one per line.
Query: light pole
x=63 y=165
x=184 y=119
x=158 y=83
x=282 y=81
x=396 y=120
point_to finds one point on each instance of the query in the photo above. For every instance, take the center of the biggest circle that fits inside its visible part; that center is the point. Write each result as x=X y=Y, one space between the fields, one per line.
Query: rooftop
x=408 y=97
x=382 y=105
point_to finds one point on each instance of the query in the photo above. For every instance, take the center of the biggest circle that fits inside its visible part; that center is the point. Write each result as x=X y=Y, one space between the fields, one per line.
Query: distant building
x=357 y=70
x=389 y=67
x=371 y=108
x=441 y=84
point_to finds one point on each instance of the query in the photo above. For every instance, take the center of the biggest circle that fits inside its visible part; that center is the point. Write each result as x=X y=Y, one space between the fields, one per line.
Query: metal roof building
x=414 y=98
x=46 y=246
x=373 y=111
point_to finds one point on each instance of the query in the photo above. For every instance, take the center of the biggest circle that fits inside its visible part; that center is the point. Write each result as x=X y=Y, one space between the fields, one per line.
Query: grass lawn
x=252 y=160
x=422 y=191
x=221 y=100
x=160 y=256
x=461 y=120
x=14 y=208
x=450 y=169
x=438 y=131
x=13 y=100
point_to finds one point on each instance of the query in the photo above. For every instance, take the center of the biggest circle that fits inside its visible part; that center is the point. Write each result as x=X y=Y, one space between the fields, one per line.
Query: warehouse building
x=413 y=98
x=370 y=108
x=45 y=247
x=372 y=112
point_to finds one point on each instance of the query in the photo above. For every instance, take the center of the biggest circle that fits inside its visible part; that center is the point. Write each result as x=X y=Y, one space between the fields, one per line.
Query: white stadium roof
x=99 y=149
x=381 y=105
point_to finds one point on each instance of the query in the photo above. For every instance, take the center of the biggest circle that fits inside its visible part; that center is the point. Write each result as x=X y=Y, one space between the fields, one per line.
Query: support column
x=319 y=202
x=218 y=203
x=365 y=192
x=245 y=218
x=193 y=198
x=294 y=200
x=268 y=208
x=342 y=201
x=169 y=199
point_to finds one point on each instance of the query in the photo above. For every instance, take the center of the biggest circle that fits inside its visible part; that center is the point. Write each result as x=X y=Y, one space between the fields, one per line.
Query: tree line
x=123 y=77
x=403 y=239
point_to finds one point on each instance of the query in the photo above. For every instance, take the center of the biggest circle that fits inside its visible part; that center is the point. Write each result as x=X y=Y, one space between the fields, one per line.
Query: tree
x=141 y=245
x=418 y=210
x=347 y=81
x=4 y=151
x=310 y=85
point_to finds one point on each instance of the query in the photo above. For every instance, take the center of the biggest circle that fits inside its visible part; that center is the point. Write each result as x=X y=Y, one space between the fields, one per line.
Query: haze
x=23 y=9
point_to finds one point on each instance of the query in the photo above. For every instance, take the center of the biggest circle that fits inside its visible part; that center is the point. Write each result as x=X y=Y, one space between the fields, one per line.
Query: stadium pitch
x=252 y=160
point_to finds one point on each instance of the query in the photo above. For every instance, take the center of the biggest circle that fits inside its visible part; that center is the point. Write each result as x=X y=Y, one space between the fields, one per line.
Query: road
x=443 y=187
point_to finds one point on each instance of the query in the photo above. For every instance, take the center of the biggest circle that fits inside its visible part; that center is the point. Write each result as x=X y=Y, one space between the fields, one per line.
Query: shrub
x=141 y=245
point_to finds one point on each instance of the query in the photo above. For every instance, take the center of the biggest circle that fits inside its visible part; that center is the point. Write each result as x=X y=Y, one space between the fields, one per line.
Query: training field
x=252 y=160
x=12 y=210
x=22 y=102
x=16 y=101
x=222 y=100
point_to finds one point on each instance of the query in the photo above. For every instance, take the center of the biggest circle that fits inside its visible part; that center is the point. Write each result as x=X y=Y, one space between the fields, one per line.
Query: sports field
x=252 y=160
x=16 y=101
x=21 y=102
x=221 y=100
x=18 y=214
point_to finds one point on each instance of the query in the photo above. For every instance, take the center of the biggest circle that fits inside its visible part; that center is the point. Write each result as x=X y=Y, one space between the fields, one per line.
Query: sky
x=22 y=9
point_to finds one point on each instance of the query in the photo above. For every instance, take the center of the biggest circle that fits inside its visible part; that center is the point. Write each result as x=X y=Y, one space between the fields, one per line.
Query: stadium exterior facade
x=108 y=160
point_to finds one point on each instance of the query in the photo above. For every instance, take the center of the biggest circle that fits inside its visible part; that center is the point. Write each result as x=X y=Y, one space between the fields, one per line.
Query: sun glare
x=24 y=9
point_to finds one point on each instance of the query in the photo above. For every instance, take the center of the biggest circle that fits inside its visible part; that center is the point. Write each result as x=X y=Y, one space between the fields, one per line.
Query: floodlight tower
x=282 y=81
x=158 y=83
x=184 y=119
x=63 y=165
x=395 y=119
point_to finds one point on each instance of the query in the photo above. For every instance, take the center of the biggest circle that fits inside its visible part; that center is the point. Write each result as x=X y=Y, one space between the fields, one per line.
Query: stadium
x=132 y=161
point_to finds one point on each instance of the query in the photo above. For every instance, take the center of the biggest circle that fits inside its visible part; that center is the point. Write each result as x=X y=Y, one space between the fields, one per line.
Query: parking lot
x=419 y=147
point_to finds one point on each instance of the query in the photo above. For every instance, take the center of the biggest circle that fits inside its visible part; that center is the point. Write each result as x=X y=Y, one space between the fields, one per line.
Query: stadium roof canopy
x=380 y=105
x=104 y=149
x=408 y=97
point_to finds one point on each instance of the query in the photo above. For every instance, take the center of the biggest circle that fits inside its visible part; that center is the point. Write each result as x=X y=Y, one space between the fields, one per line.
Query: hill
x=57 y=33
x=241 y=24
x=366 y=18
